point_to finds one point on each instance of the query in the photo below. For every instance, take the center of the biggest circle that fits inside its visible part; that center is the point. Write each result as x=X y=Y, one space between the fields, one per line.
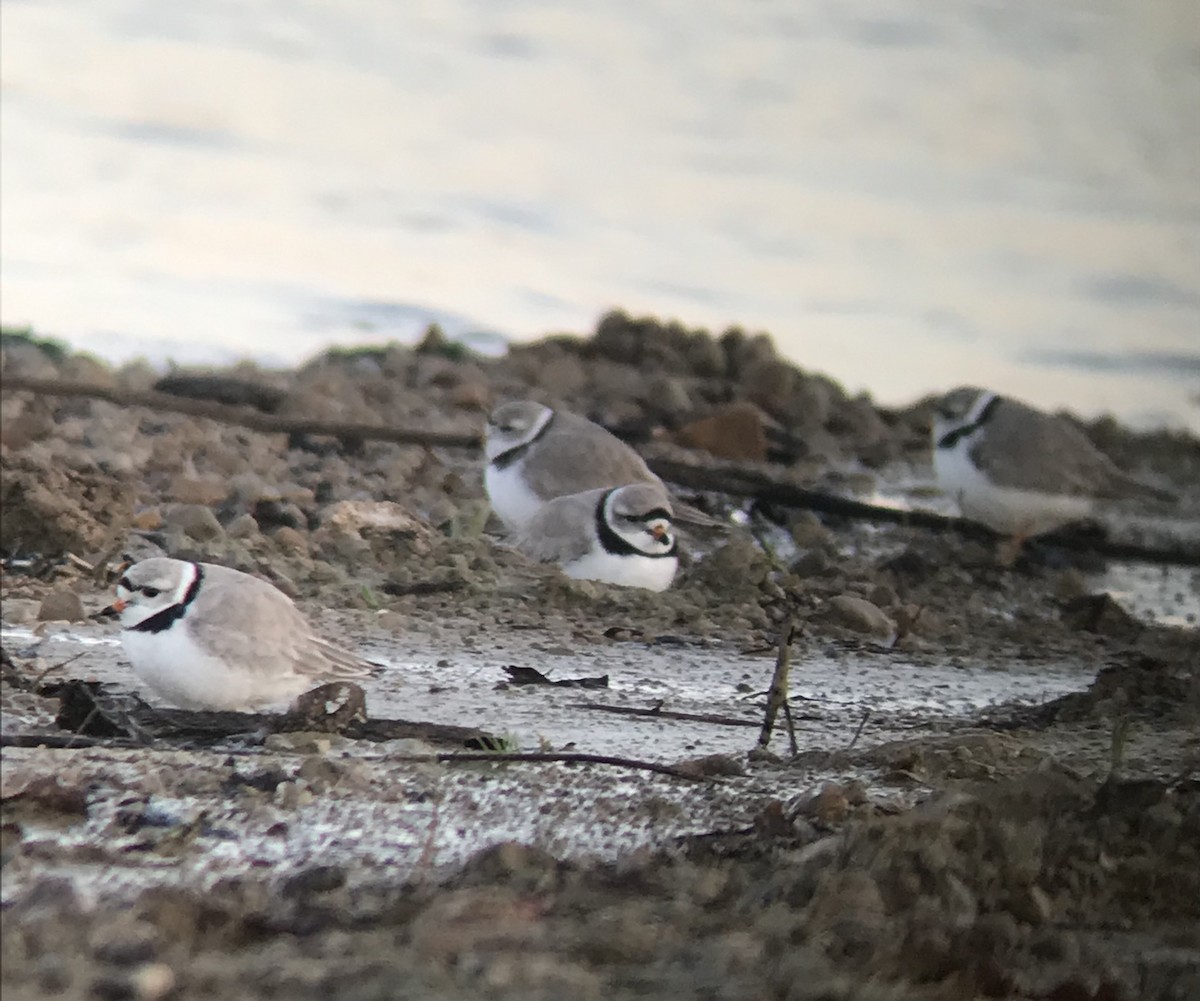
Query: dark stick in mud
x=777 y=695
x=552 y=757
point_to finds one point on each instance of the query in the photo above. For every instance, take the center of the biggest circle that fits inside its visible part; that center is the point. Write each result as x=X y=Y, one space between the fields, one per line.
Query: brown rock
x=242 y=527
x=291 y=539
x=195 y=521
x=860 y=615
x=737 y=432
x=190 y=490
x=61 y=605
x=471 y=396
x=148 y=520
x=827 y=806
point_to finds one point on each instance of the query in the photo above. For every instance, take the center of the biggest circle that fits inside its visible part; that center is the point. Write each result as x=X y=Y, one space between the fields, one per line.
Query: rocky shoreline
x=1015 y=852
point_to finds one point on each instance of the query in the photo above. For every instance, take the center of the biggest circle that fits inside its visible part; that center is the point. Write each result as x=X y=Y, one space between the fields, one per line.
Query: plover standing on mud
x=1018 y=470
x=209 y=637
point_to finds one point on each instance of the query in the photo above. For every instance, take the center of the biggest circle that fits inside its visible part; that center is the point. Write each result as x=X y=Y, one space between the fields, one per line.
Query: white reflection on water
x=906 y=196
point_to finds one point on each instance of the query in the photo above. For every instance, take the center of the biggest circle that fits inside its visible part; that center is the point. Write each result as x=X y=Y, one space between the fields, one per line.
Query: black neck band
x=613 y=543
x=164 y=619
x=952 y=438
x=507 y=458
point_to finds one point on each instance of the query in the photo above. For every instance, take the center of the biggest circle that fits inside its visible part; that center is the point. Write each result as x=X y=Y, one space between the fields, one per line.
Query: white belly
x=1007 y=510
x=510 y=497
x=178 y=670
x=653 y=572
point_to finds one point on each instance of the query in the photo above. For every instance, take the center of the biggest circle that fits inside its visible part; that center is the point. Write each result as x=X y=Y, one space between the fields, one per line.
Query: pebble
x=189 y=490
x=242 y=527
x=195 y=521
x=860 y=615
x=61 y=604
x=289 y=538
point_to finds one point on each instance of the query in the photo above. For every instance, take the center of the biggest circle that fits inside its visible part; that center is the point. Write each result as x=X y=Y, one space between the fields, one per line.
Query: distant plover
x=1018 y=470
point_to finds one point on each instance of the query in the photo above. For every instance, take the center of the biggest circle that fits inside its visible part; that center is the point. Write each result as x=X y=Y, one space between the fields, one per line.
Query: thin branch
x=739 y=481
x=241 y=416
x=777 y=695
x=858 y=731
x=541 y=757
x=665 y=714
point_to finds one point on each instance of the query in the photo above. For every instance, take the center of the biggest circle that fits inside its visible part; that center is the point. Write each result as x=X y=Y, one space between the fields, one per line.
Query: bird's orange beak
x=659 y=532
x=118 y=606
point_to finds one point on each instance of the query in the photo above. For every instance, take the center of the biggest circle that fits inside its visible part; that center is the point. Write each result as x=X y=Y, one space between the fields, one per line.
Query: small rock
x=1100 y=613
x=712 y=764
x=470 y=396
x=808 y=532
x=46 y=793
x=189 y=490
x=271 y=513
x=381 y=516
x=828 y=806
x=883 y=595
x=315 y=879
x=152 y=982
x=148 y=520
x=195 y=521
x=242 y=527
x=288 y=538
x=736 y=432
x=61 y=604
x=860 y=615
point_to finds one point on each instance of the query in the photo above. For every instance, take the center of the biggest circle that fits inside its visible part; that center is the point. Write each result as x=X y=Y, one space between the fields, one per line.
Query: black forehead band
x=124 y=582
x=658 y=514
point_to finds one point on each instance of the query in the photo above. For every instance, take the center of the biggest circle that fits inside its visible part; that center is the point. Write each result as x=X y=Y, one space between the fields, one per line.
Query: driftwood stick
x=742 y=482
x=542 y=757
x=241 y=416
x=733 y=480
x=713 y=718
x=777 y=695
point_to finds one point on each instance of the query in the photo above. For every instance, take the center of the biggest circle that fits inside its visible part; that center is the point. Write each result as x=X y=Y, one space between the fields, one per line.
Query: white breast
x=652 y=572
x=172 y=664
x=510 y=496
x=1008 y=510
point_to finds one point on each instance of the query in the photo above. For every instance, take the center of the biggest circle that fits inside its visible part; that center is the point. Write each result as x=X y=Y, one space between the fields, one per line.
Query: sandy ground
x=992 y=794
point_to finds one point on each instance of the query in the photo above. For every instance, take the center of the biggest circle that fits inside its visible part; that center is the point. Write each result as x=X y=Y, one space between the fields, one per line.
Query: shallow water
x=906 y=198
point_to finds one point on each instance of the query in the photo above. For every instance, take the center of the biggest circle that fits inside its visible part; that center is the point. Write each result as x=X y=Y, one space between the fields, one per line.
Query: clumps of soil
x=51 y=509
x=1023 y=888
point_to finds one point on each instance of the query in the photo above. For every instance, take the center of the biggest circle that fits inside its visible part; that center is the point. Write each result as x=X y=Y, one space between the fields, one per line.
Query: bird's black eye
x=151 y=592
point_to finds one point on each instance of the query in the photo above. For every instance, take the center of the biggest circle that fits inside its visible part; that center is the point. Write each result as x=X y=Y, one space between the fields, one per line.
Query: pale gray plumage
x=208 y=637
x=573 y=454
x=1027 y=449
x=622 y=535
x=238 y=616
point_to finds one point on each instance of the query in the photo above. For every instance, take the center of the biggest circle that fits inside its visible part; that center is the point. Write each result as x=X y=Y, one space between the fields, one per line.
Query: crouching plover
x=621 y=535
x=208 y=637
x=1018 y=470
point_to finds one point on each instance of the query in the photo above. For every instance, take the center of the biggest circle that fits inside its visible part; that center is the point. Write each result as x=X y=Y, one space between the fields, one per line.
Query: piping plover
x=621 y=535
x=1018 y=470
x=535 y=454
x=208 y=637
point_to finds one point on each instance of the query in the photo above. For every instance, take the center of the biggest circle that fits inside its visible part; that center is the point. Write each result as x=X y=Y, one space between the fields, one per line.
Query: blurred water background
x=905 y=195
